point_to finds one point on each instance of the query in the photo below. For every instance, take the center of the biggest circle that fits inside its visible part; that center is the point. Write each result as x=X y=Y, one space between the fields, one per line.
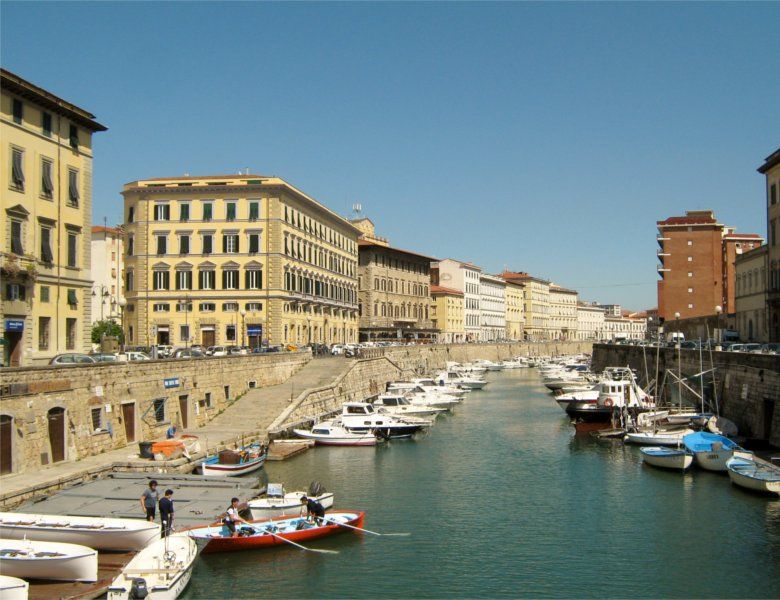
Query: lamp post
x=103 y=295
x=122 y=303
x=679 y=358
x=243 y=327
x=718 y=312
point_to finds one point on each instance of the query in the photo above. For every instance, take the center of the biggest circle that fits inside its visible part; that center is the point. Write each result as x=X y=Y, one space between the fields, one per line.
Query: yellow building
x=562 y=319
x=236 y=260
x=536 y=298
x=447 y=314
x=45 y=223
x=515 y=310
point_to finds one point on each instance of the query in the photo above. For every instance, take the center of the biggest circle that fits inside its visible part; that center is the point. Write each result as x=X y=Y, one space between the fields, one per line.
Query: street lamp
x=718 y=312
x=242 y=312
x=122 y=303
x=103 y=295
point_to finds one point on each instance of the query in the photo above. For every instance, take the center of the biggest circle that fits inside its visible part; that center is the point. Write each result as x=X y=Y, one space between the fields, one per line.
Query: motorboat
x=461 y=380
x=516 y=363
x=100 y=533
x=333 y=433
x=465 y=369
x=162 y=570
x=362 y=417
x=489 y=365
x=672 y=437
x=754 y=474
x=667 y=458
x=575 y=387
x=428 y=384
x=272 y=533
x=54 y=561
x=713 y=451
x=277 y=502
x=232 y=463
x=13 y=588
x=588 y=396
x=399 y=405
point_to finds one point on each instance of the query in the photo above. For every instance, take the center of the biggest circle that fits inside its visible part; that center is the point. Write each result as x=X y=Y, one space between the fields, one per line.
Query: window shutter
x=73 y=187
x=72 y=297
x=74 y=136
x=224 y=244
x=246 y=280
x=237 y=248
x=46 y=253
x=16 y=168
x=224 y=280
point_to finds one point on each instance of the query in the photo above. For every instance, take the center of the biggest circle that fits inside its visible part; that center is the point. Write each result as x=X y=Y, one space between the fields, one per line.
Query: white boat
x=722 y=426
x=52 y=561
x=667 y=458
x=332 y=433
x=429 y=384
x=13 y=588
x=277 y=502
x=163 y=569
x=713 y=451
x=658 y=438
x=94 y=532
x=754 y=474
x=233 y=463
x=489 y=365
x=461 y=380
x=361 y=417
x=399 y=405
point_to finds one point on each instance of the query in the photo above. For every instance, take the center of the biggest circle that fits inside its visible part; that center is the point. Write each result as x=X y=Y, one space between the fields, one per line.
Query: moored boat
x=13 y=588
x=94 y=532
x=754 y=474
x=232 y=463
x=657 y=438
x=51 y=561
x=332 y=433
x=712 y=451
x=667 y=458
x=277 y=502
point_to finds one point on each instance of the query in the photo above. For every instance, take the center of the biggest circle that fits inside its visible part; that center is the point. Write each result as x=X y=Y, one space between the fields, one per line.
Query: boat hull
x=290 y=504
x=715 y=460
x=658 y=438
x=215 y=469
x=746 y=474
x=348 y=440
x=71 y=562
x=13 y=588
x=666 y=458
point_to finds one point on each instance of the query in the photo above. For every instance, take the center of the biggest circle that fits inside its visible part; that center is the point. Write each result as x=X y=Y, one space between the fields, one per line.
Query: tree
x=104 y=328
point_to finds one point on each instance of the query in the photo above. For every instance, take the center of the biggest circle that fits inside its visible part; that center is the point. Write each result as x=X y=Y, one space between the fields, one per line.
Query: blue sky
x=543 y=137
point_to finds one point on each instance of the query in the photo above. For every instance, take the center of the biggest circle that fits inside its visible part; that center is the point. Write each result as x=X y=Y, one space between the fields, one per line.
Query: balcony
x=16 y=307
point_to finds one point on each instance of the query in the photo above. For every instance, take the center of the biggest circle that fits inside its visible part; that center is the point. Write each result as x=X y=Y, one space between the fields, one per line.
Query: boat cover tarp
x=702 y=441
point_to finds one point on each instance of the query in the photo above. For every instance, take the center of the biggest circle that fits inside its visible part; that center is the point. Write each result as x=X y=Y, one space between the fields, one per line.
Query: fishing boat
x=232 y=463
x=162 y=570
x=333 y=433
x=754 y=474
x=658 y=437
x=53 y=561
x=13 y=588
x=277 y=502
x=667 y=458
x=713 y=451
x=94 y=532
x=588 y=396
x=272 y=533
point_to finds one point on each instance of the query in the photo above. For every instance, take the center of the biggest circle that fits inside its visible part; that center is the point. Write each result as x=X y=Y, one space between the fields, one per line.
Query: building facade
x=463 y=277
x=515 y=310
x=447 y=315
x=563 y=313
x=625 y=328
x=107 y=248
x=590 y=321
x=492 y=308
x=45 y=221
x=236 y=260
x=771 y=171
x=751 y=295
x=536 y=294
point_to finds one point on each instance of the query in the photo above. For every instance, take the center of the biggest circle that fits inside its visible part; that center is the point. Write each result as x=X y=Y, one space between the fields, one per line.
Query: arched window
x=376 y=283
x=376 y=309
x=384 y=310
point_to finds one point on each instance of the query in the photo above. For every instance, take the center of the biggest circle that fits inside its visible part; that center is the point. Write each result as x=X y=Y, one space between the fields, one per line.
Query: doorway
x=13 y=344
x=163 y=337
x=184 y=411
x=128 y=416
x=6 y=444
x=208 y=338
x=56 y=418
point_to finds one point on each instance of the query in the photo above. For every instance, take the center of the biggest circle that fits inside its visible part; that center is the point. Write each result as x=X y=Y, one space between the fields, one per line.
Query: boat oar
x=367 y=530
x=279 y=537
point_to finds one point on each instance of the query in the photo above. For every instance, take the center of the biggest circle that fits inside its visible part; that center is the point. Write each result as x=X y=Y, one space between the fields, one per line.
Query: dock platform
x=110 y=564
x=284 y=449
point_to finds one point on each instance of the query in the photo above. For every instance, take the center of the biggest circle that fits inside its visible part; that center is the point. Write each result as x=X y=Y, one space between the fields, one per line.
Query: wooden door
x=14 y=340
x=128 y=416
x=6 y=444
x=184 y=410
x=57 y=434
x=208 y=338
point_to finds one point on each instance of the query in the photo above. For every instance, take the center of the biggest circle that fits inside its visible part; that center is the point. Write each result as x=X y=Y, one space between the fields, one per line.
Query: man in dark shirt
x=314 y=510
x=166 y=512
x=149 y=500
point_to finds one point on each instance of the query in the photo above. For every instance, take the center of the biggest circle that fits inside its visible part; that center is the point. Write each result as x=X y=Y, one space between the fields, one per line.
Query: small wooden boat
x=657 y=438
x=712 y=451
x=277 y=502
x=667 y=458
x=331 y=433
x=754 y=474
x=266 y=534
x=13 y=588
x=94 y=532
x=232 y=463
x=162 y=569
x=48 y=560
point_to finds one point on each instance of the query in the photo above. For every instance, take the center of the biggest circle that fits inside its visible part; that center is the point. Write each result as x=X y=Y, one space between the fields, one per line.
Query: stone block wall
x=106 y=406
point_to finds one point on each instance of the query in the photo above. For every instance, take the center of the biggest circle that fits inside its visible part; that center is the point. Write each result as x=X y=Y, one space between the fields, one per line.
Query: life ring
x=608 y=402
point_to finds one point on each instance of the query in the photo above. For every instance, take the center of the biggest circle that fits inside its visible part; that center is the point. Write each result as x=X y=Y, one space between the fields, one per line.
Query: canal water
x=502 y=500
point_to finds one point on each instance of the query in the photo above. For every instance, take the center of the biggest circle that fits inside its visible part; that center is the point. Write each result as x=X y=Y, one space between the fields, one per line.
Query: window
x=208 y=243
x=206 y=280
x=690 y=273
x=159 y=410
x=184 y=333
x=229 y=306
x=15 y=291
x=161 y=280
x=47 y=183
x=254 y=243
x=162 y=212
x=130 y=245
x=690 y=259
x=129 y=281
x=97 y=418
x=690 y=306
x=17 y=169
x=184 y=244
x=690 y=242
x=46 y=253
x=18 y=111
x=131 y=214
x=47 y=124
x=230 y=243
x=161 y=307
x=72 y=244
x=207 y=307
x=254 y=306
x=690 y=290
x=70 y=334
x=74 y=136
x=207 y=400
x=208 y=209
x=773 y=232
x=254 y=211
x=73 y=187
x=44 y=324
x=162 y=245
x=184 y=211
x=230 y=333
x=16 y=237
x=773 y=194
x=182 y=306
x=254 y=279
x=44 y=293
x=183 y=280
x=230 y=211
x=230 y=280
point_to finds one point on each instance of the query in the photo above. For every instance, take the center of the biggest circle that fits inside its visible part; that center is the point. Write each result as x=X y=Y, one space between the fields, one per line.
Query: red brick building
x=697 y=257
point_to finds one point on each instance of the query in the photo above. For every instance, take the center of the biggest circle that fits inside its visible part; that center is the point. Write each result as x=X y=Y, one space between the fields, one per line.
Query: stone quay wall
x=68 y=413
x=747 y=386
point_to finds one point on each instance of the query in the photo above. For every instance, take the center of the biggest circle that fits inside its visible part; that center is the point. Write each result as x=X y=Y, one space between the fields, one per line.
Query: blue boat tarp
x=702 y=441
x=661 y=451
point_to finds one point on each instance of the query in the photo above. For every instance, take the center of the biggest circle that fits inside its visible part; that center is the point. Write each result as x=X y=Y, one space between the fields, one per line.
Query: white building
x=562 y=320
x=633 y=327
x=590 y=321
x=107 y=265
x=492 y=308
x=463 y=277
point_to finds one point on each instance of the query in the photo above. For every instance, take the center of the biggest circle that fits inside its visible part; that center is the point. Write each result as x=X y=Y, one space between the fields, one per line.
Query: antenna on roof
x=357 y=209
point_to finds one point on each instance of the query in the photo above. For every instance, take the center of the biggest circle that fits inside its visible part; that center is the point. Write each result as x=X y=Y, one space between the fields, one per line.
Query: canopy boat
x=13 y=588
x=658 y=438
x=94 y=532
x=162 y=569
x=333 y=433
x=398 y=405
x=713 y=451
x=266 y=534
x=277 y=502
x=232 y=463
x=667 y=458
x=361 y=417
x=754 y=474
x=52 y=561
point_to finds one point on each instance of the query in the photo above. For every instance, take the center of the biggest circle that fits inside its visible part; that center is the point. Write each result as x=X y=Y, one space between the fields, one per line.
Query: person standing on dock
x=149 y=500
x=166 y=513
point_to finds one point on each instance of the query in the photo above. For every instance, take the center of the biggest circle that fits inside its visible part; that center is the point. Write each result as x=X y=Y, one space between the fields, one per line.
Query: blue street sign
x=171 y=382
x=16 y=325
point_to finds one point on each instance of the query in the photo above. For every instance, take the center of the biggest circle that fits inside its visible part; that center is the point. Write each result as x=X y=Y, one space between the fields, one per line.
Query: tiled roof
x=437 y=289
x=364 y=243
x=770 y=161
x=101 y=229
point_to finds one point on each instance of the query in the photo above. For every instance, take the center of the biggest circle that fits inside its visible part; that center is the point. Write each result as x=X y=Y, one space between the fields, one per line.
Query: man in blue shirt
x=166 y=512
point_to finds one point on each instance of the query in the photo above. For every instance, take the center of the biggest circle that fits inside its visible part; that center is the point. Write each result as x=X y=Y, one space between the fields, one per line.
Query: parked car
x=188 y=353
x=771 y=348
x=104 y=357
x=754 y=348
x=132 y=356
x=72 y=358
x=164 y=351
x=217 y=351
x=337 y=349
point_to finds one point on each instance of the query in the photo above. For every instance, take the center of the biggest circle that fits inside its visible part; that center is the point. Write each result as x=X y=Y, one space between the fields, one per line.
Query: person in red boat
x=314 y=510
x=232 y=517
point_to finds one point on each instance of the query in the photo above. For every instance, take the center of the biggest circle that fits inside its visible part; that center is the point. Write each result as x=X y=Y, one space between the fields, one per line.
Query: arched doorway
x=56 y=418
x=6 y=444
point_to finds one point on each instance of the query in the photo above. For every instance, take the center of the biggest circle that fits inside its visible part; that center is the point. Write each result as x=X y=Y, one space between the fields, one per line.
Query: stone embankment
x=746 y=386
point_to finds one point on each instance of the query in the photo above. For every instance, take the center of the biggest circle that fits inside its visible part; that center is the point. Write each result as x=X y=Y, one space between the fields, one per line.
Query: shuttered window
x=73 y=187
x=72 y=245
x=46 y=253
x=17 y=168
x=184 y=211
x=206 y=280
x=230 y=243
x=16 y=237
x=231 y=211
x=74 y=136
x=207 y=211
x=47 y=183
x=254 y=279
x=254 y=243
x=183 y=280
x=254 y=211
x=47 y=124
x=161 y=280
x=18 y=110
x=162 y=245
x=208 y=244
x=230 y=280
x=184 y=244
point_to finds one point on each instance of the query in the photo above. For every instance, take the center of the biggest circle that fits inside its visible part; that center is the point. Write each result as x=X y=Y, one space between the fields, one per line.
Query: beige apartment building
x=751 y=295
x=536 y=293
x=447 y=314
x=45 y=221
x=107 y=266
x=236 y=260
x=563 y=313
x=515 y=310
x=771 y=171
x=590 y=321
x=465 y=278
